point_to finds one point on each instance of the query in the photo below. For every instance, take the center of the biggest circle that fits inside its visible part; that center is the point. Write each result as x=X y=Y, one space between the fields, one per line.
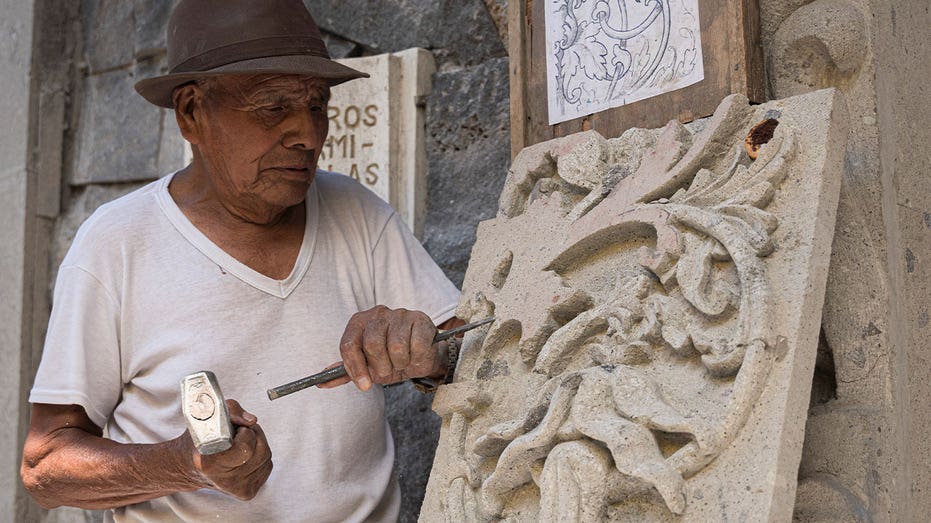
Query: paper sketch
x=609 y=53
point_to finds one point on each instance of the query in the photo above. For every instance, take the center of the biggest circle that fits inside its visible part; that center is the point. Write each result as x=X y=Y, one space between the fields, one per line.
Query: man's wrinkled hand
x=241 y=470
x=385 y=346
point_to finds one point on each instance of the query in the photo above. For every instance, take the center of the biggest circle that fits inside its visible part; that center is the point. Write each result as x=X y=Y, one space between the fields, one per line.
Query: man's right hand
x=241 y=470
x=66 y=461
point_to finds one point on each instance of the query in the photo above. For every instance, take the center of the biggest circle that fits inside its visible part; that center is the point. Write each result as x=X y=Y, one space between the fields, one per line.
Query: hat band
x=250 y=50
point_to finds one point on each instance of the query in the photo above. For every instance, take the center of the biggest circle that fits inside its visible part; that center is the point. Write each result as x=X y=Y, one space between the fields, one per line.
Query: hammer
x=205 y=412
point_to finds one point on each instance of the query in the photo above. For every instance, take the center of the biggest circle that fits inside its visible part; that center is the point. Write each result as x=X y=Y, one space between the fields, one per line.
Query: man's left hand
x=385 y=346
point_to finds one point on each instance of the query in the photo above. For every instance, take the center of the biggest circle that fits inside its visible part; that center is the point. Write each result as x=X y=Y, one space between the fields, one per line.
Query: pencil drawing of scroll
x=608 y=53
x=637 y=321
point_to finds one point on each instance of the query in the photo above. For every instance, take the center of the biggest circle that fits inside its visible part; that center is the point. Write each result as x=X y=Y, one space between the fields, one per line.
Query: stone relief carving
x=634 y=333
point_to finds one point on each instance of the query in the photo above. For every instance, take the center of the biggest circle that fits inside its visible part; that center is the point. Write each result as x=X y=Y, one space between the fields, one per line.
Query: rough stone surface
x=416 y=430
x=122 y=138
x=877 y=54
x=117 y=32
x=458 y=31
x=467 y=153
x=12 y=244
x=340 y=47
x=16 y=25
x=498 y=9
x=656 y=331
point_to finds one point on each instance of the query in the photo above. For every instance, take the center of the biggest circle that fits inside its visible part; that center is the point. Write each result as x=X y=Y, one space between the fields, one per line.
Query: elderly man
x=249 y=262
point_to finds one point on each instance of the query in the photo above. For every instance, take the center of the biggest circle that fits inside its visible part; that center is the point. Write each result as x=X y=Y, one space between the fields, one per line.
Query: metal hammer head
x=205 y=412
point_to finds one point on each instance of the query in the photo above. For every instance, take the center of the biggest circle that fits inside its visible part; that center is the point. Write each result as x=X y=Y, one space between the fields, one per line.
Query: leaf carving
x=695 y=277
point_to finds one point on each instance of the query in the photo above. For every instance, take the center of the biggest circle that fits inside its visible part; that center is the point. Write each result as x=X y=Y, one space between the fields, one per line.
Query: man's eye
x=317 y=108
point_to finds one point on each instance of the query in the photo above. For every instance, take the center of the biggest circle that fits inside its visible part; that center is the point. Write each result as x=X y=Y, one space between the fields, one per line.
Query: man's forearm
x=79 y=469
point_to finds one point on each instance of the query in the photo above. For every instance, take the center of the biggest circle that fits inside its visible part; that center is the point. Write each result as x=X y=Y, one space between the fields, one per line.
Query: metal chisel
x=340 y=371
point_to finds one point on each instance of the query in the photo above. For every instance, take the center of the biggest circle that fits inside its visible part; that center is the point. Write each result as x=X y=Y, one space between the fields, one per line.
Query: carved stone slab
x=658 y=299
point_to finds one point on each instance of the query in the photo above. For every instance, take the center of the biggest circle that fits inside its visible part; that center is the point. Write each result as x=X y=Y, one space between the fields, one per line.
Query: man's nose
x=305 y=129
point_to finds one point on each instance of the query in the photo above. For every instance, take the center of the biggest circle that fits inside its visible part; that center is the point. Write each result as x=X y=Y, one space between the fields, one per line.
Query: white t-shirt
x=143 y=298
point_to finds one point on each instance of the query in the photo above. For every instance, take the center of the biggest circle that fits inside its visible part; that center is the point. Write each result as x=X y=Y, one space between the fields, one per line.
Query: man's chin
x=287 y=193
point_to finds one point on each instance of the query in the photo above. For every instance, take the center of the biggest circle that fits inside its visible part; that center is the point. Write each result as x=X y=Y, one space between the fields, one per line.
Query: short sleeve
x=405 y=275
x=81 y=359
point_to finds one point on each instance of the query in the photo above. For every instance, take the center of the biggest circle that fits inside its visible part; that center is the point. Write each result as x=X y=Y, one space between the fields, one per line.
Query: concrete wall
x=865 y=451
x=16 y=64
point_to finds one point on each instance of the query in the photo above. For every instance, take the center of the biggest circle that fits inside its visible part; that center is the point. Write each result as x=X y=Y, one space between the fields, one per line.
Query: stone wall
x=861 y=458
x=16 y=64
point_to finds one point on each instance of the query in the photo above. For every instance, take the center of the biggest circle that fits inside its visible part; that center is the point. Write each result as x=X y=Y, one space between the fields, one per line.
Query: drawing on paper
x=608 y=53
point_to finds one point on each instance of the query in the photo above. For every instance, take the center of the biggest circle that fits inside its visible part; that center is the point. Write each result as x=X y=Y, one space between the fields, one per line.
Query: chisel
x=340 y=371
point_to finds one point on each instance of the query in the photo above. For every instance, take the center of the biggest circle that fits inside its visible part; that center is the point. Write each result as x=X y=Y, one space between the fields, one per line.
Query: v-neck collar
x=277 y=288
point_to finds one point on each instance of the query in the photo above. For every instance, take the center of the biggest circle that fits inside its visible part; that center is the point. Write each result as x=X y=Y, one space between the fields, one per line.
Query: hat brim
x=159 y=90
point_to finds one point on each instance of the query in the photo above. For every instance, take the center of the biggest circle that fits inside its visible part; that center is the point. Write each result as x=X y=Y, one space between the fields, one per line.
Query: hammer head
x=205 y=412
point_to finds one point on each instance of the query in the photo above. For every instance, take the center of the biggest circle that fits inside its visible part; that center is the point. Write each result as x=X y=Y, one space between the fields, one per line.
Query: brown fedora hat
x=221 y=37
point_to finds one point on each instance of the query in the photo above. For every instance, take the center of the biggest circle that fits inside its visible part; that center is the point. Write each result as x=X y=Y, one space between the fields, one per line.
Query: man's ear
x=188 y=100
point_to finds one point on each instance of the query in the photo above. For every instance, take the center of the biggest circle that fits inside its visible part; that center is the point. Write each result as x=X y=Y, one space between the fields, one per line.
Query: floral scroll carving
x=633 y=315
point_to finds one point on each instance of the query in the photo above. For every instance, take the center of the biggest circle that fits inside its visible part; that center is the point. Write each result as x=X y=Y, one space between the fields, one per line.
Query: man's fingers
x=261 y=453
x=255 y=480
x=375 y=348
x=399 y=342
x=423 y=352
x=350 y=348
x=243 y=447
x=239 y=416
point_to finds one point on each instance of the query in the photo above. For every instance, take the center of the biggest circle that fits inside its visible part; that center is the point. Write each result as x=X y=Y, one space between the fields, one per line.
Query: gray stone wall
x=15 y=61
x=864 y=452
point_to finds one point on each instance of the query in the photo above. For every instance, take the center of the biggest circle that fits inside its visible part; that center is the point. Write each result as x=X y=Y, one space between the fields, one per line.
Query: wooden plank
x=733 y=63
x=517 y=45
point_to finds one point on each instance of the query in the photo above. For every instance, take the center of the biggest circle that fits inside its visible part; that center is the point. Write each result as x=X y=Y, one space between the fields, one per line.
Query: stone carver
x=253 y=264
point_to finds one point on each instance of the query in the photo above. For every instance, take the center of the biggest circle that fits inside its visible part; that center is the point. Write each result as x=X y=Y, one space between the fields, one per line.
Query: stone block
x=117 y=32
x=498 y=10
x=377 y=130
x=912 y=320
x=823 y=499
x=458 y=31
x=108 y=33
x=468 y=141
x=120 y=136
x=12 y=248
x=16 y=45
x=150 y=21
x=656 y=334
x=416 y=430
x=861 y=431
x=15 y=55
x=340 y=47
